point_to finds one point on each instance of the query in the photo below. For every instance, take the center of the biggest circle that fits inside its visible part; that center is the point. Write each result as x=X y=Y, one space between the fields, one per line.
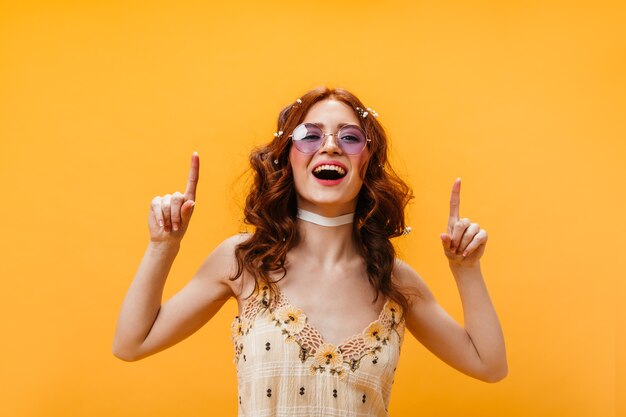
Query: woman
x=323 y=300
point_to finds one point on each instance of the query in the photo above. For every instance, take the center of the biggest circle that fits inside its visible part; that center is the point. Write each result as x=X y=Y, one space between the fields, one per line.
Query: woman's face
x=314 y=193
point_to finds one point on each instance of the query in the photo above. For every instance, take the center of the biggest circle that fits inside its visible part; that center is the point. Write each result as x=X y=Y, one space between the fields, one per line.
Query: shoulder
x=227 y=246
x=409 y=282
x=223 y=256
x=221 y=264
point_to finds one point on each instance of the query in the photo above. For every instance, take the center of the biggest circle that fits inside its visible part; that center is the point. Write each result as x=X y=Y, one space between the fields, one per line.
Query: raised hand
x=464 y=243
x=170 y=214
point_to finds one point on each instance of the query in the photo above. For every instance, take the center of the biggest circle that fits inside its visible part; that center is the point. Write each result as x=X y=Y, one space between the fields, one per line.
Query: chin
x=347 y=205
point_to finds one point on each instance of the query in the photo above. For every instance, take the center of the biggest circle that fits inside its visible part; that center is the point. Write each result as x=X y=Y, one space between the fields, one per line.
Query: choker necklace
x=307 y=216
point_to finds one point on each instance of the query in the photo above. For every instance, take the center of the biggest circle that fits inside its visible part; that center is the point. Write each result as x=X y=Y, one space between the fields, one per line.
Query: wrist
x=461 y=268
x=164 y=248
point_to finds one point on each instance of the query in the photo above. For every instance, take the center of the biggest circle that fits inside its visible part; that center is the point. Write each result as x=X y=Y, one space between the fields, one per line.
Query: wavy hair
x=271 y=203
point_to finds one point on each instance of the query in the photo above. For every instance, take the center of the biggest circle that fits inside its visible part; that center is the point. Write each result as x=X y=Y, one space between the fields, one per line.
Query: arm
x=143 y=300
x=481 y=321
x=477 y=349
x=146 y=327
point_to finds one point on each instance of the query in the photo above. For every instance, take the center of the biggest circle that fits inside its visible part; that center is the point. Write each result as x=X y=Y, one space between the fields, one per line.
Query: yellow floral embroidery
x=340 y=372
x=314 y=368
x=374 y=350
x=328 y=358
x=239 y=327
x=264 y=296
x=327 y=354
x=375 y=334
x=392 y=309
x=291 y=319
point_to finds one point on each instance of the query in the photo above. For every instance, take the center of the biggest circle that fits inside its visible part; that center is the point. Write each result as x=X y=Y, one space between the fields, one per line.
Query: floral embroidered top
x=285 y=368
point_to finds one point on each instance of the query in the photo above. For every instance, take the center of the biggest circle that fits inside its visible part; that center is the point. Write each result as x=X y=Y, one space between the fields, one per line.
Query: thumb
x=445 y=240
x=186 y=211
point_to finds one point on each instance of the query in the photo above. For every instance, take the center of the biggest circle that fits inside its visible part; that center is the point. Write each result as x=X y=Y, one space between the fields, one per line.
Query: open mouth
x=329 y=172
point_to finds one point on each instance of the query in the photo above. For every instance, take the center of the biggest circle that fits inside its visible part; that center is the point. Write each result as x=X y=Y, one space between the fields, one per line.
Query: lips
x=329 y=171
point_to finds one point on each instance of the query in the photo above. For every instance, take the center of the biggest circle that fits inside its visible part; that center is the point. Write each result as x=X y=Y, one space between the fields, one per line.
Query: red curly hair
x=271 y=204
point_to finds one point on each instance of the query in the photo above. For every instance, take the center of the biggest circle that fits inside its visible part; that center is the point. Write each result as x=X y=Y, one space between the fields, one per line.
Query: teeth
x=339 y=169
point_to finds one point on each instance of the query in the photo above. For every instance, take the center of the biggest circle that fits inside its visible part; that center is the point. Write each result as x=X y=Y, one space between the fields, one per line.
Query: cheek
x=297 y=159
x=359 y=162
x=299 y=162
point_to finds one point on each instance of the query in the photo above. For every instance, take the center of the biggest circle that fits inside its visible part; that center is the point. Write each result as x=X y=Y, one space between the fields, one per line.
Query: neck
x=324 y=244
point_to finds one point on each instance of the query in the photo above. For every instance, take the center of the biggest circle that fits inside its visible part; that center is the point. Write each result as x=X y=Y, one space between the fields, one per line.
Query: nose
x=329 y=145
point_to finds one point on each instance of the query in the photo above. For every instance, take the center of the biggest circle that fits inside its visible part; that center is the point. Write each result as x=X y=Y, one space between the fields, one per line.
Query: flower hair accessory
x=364 y=113
x=278 y=134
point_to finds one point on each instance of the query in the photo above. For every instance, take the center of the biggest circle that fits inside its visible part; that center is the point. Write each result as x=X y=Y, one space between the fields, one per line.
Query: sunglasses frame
x=324 y=135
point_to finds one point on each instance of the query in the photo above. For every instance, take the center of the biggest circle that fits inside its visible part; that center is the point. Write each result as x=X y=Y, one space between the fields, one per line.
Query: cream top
x=285 y=368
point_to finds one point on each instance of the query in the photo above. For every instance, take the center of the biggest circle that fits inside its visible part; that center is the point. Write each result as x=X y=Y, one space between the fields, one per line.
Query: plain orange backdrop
x=103 y=102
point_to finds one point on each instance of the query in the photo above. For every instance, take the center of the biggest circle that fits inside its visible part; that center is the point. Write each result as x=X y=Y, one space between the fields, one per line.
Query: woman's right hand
x=169 y=215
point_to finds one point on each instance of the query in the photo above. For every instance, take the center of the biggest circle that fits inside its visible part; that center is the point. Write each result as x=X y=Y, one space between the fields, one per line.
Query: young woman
x=323 y=300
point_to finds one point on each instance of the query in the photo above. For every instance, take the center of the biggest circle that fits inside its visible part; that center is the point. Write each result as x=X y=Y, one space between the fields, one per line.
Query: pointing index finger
x=192 y=181
x=455 y=202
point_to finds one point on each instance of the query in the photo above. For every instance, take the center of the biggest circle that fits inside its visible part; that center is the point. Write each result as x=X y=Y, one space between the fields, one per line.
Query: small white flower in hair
x=364 y=113
x=278 y=134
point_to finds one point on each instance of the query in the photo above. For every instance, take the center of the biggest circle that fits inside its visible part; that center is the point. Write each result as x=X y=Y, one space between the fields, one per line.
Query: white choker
x=307 y=216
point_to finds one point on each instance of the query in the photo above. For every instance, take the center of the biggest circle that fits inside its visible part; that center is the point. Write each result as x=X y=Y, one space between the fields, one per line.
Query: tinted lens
x=351 y=139
x=307 y=137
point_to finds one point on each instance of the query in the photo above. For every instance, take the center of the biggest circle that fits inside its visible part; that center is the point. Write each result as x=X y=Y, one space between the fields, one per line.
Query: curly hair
x=271 y=203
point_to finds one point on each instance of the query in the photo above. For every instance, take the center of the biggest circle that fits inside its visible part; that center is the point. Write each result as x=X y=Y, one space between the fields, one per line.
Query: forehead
x=332 y=113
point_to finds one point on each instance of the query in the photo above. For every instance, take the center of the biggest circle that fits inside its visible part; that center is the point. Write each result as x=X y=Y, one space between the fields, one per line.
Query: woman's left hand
x=464 y=244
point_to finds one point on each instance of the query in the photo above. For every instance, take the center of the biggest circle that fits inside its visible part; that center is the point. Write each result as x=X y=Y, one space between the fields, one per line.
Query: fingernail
x=464 y=254
x=161 y=223
x=175 y=227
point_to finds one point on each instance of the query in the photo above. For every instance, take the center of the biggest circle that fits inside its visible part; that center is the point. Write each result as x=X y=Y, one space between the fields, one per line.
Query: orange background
x=102 y=104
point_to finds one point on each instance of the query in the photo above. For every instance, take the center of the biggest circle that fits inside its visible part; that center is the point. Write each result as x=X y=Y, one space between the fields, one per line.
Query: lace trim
x=326 y=356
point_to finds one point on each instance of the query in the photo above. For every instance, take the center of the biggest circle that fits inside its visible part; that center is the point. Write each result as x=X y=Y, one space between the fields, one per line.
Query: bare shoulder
x=226 y=249
x=221 y=264
x=410 y=282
